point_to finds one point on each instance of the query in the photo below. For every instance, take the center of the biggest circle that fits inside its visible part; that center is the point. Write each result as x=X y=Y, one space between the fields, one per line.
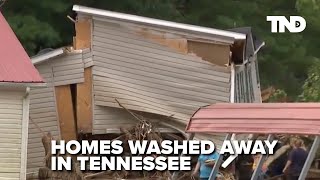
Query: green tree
x=39 y=24
x=284 y=62
x=311 y=87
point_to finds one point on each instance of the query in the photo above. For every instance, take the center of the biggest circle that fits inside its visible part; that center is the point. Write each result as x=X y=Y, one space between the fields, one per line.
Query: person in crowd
x=276 y=167
x=205 y=165
x=296 y=160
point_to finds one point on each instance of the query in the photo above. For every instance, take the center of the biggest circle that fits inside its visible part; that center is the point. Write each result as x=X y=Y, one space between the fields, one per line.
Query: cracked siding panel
x=110 y=120
x=175 y=42
x=87 y=58
x=11 y=112
x=107 y=118
x=149 y=77
x=43 y=113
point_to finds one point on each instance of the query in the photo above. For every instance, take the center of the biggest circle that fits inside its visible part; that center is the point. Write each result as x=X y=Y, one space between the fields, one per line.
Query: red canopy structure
x=259 y=118
x=15 y=64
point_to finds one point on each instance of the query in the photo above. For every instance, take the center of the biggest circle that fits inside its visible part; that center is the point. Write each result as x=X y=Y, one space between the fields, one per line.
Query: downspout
x=24 y=134
x=232 y=100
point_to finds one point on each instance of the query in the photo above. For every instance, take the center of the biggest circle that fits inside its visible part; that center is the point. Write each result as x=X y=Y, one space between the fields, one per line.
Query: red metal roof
x=258 y=118
x=15 y=64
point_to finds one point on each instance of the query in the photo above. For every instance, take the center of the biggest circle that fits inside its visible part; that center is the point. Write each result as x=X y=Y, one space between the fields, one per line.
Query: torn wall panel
x=113 y=31
x=64 y=69
x=110 y=120
x=87 y=58
x=183 y=30
x=68 y=69
x=151 y=79
x=175 y=42
x=106 y=118
x=215 y=53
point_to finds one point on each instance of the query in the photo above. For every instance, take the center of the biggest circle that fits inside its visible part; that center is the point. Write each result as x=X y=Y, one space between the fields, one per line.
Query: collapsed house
x=162 y=70
x=17 y=74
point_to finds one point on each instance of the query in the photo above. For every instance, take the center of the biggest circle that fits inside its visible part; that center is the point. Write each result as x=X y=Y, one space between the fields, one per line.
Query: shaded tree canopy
x=284 y=62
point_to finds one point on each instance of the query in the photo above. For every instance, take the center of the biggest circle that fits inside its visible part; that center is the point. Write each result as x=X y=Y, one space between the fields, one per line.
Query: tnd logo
x=295 y=25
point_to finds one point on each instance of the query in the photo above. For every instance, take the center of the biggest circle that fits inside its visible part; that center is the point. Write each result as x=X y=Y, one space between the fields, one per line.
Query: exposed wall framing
x=65 y=112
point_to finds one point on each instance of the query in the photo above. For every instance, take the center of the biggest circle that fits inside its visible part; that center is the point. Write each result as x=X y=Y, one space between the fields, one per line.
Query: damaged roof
x=179 y=27
x=253 y=44
x=49 y=53
x=15 y=64
x=257 y=118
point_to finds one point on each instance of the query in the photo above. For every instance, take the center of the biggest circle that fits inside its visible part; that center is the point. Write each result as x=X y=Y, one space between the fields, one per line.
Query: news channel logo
x=296 y=24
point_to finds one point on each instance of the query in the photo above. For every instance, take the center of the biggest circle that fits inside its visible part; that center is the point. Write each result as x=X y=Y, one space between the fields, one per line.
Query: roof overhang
x=43 y=57
x=179 y=27
x=38 y=59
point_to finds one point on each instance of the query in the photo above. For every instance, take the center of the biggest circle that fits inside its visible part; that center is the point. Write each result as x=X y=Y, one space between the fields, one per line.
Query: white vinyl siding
x=42 y=114
x=68 y=69
x=65 y=69
x=11 y=115
x=87 y=58
x=149 y=77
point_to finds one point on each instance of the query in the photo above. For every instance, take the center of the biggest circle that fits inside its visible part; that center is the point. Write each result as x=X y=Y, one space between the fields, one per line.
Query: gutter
x=157 y=22
x=23 y=84
x=37 y=59
x=40 y=58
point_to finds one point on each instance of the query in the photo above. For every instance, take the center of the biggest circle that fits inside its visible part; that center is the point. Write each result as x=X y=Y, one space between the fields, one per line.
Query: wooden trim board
x=84 y=103
x=83 y=33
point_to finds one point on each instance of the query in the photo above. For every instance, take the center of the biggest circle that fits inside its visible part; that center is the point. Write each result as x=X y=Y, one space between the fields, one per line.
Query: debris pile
x=143 y=130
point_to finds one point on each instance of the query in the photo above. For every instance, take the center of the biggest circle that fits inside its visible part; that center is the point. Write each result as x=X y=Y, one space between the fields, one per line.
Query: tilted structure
x=164 y=71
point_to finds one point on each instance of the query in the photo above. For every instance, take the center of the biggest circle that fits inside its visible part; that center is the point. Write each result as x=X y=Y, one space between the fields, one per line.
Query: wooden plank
x=83 y=33
x=84 y=103
x=65 y=112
